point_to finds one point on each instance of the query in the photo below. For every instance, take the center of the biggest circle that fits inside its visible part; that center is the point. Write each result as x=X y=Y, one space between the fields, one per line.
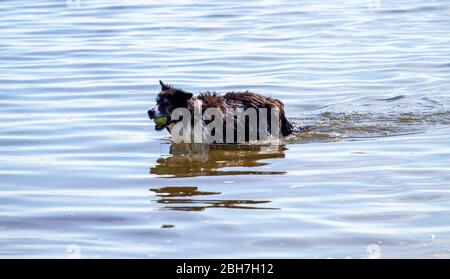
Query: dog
x=171 y=98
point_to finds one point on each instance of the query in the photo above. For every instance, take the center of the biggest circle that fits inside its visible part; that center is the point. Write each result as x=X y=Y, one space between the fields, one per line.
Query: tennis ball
x=160 y=121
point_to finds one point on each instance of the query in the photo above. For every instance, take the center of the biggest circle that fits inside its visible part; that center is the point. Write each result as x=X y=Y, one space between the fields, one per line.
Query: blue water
x=84 y=174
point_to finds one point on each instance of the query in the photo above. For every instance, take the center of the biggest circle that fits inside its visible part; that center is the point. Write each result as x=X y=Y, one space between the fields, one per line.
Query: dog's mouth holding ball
x=161 y=122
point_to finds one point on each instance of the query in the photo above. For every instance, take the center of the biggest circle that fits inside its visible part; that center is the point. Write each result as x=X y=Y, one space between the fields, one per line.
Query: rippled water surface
x=83 y=173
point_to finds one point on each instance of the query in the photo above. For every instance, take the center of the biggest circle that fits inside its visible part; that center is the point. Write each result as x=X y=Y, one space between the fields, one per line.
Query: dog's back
x=245 y=100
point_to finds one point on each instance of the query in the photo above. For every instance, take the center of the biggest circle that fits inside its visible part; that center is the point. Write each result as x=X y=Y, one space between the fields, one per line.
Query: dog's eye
x=158 y=100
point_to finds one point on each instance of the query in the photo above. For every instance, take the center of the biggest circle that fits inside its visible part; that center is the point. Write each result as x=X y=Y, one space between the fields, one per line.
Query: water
x=84 y=174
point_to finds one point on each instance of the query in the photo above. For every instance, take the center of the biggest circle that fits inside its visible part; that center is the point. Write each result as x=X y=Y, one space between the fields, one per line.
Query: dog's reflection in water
x=189 y=160
x=180 y=198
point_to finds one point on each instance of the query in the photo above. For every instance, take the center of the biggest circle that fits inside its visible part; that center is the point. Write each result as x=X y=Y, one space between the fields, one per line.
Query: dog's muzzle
x=154 y=113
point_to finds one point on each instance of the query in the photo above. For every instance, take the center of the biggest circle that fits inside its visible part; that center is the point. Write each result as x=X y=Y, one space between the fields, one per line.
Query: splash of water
x=373 y=118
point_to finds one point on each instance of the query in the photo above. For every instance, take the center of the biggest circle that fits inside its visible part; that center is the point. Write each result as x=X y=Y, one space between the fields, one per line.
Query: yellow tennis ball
x=160 y=121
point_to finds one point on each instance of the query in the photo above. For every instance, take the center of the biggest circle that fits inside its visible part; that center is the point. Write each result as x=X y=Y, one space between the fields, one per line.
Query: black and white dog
x=170 y=98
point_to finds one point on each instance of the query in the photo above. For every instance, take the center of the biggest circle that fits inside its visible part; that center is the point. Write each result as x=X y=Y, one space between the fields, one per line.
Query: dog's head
x=169 y=99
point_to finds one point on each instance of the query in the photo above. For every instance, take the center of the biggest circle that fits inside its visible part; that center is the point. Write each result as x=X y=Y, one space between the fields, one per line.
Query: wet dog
x=170 y=98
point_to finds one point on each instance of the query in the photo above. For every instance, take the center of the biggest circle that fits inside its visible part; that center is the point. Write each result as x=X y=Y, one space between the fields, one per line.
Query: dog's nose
x=151 y=114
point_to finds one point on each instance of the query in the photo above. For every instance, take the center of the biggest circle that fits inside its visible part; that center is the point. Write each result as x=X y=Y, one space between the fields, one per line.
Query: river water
x=84 y=174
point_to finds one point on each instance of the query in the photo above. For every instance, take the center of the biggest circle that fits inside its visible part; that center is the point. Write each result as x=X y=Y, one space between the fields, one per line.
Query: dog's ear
x=163 y=85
